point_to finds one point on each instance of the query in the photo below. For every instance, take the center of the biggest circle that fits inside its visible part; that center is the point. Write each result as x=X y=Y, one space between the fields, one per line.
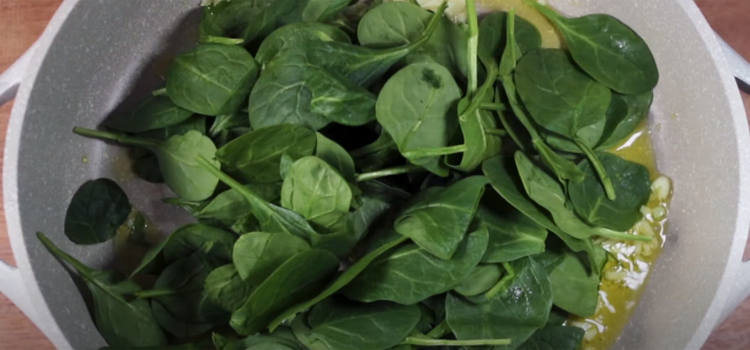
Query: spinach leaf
x=229 y=18
x=230 y=206
x=177 y=295
x=176 y=160
x=147 y=168
x=396 y=24
x=631 y=181
x=516 y=313
x=503 y=176
x=555 y=338
x=255 y=156
x=410 y=274
x=416 y=107
x=563 y=169
x=212 y=80
x=281 y=339
x=513 y=235
x=439 y=221
x=339 y=99
x=573 y=288
x=608 y=50
x=321 y=10
x=270 y=217
x=197 y=123
x=624 y=115
x=336 y=156
x=225 y=288
x=340 y=282
x=228 y=122
x=155 y=112
x=298 y=277
x=98 y=208
x=480 y=280
x=213 y=243
x=258 y=254
x=559 y=97
x=493 y=35
x=318 y=192
x=121 y=322
x=295 y=34
x=346 y=325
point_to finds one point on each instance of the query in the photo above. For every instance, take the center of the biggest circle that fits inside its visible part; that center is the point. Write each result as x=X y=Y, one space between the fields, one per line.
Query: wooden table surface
x=22 y=21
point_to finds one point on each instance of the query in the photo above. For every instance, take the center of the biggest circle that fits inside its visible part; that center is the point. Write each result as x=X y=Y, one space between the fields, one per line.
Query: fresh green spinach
x=98 y=208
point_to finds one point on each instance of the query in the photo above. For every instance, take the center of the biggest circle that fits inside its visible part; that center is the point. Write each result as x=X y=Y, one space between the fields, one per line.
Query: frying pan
x=98 y=56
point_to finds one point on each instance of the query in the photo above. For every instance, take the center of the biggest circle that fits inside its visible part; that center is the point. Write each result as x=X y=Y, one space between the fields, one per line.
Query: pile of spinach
x=373 y=177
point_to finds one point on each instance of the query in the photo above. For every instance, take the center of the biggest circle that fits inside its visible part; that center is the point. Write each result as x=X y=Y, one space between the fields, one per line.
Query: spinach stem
x=443 y=342
x=598 y=167
x=441 y=330
x=404 y=169
x=82 y=269
x=159 y=92
x=253 y=199
x=153 y=293
x=435 y=152
x=621 y=236
x=210 y=39
x=503 y=283
x=431 y=27
x=496 y=132
x=123 y=139
x=497 y=107
x=471 y=11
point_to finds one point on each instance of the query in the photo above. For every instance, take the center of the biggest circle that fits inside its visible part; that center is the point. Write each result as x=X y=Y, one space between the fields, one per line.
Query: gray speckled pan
x=97 y=55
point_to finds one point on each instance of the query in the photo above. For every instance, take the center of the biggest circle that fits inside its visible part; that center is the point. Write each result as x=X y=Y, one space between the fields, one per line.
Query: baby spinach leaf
x=267 y=16
x=176 y=160
x=410 y=274
x=555 y=338
x=212 y=80
x=258 y=254
x=155 y=112
x=120 y=322
x=439 y=221
x=229 y=18
x=336 y=156
x=225 y=288
x=493 y=35
x=516 y=313
x=340 y=282
x=631 y=181
x=316 y=191
x=147 y=168
x=480 y=280
x=228 y=122
x=295 y=34
x=281 y=339
x=416 y=107
x=503 y=176
x=559 y=97
x=573 y=288
x=321 y=10
x=177 y=295
x=270 y=217
x=213 y=243
x=98 y=208
x=298 y=277
x=346 y=325
x=255 y=156
x=395 y=24
x=513 y=235
x=230 y=206
x=608 y=50
x=338 y=99
x=197 y=123
x=624 y=115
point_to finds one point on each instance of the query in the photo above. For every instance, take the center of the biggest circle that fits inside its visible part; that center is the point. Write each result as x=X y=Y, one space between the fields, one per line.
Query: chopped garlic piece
x=662 y=186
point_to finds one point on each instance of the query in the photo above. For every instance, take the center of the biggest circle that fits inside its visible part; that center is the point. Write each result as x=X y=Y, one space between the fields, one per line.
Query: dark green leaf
x=339 y=99
x=230 y=206
x=439 y=221
x=255 y=156
x=227 y=122
x=225 y=288
x=155 y=112
x=295 y=34
x=212 y=80
x=624 y=115
x=608 y=50
x=493 y=35
x=574 y=289
x=316 y=191
x=97 y=210
x=555 y=338
x=409 y=274
x=480 y=280
x=197 y=123
x=632 y=183
x=258 y=254
x=417 y=107
x=515 y=313
x=513 y=235
x=147 y=168
x=120 y=322
x=298 y=277
x=336 y=156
